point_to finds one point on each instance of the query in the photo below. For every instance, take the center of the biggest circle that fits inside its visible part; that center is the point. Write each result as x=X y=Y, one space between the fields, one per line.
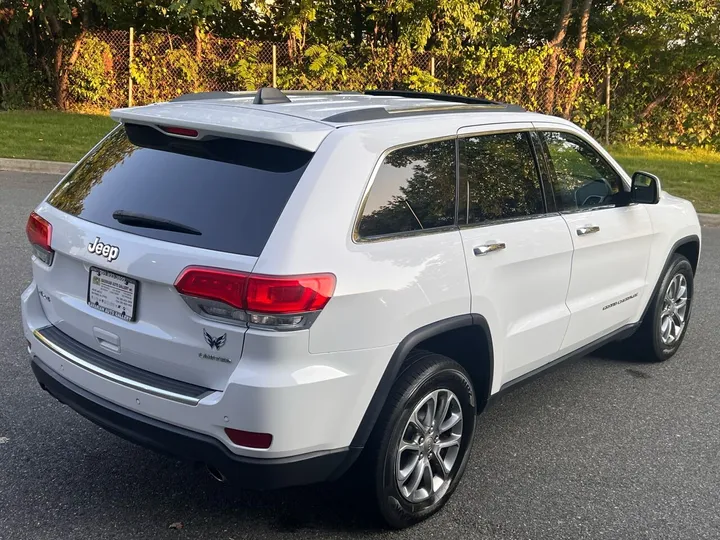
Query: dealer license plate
x=112 y=293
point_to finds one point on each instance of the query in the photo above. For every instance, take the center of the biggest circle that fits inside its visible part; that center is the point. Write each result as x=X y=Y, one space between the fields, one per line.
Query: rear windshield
x=220 y=194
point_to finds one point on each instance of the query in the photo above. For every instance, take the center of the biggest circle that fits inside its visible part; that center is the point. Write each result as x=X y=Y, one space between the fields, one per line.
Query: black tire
x=428 y=372
x=647 y=342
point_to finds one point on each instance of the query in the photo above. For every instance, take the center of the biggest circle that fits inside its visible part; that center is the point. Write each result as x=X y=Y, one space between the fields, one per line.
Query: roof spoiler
x=197 y=120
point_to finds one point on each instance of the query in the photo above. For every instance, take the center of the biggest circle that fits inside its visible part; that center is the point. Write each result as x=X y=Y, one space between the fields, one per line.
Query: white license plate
x=112 y=293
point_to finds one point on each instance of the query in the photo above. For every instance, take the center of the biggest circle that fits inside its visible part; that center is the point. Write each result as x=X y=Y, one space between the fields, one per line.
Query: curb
x=59 y=167
x=35 y=166
x=709 y=220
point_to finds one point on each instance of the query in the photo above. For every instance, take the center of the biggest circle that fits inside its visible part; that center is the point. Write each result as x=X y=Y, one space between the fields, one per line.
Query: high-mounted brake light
x=39 y=232
x=184 y=132
x=277 y=302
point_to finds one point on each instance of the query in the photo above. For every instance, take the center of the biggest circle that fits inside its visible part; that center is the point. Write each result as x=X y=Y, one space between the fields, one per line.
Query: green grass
x=50 y=135
x=58 y=136
x=690 y=174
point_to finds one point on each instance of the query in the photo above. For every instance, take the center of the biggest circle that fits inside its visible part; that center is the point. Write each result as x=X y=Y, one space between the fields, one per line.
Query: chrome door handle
x=488 y=248
x=588 y=230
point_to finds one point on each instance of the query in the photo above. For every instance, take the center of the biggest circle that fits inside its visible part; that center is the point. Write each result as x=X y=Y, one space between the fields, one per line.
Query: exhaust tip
x=215 y=474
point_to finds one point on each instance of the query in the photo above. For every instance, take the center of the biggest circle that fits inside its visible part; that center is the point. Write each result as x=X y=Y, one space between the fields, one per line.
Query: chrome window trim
x=562 y=128
x=356 y=238
x=498 y=131
x=541 y=130
x=538 y=170
x=518 y=219
x=405 y=234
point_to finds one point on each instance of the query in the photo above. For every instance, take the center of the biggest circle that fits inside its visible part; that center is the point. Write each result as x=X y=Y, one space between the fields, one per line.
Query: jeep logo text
x=104 y=250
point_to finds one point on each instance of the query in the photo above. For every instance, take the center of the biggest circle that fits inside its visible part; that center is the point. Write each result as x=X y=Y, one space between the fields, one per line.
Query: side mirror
x=645 y=188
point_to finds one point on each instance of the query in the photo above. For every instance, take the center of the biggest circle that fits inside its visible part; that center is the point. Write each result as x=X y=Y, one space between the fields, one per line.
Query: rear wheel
x=422 y=441
x=663 y=329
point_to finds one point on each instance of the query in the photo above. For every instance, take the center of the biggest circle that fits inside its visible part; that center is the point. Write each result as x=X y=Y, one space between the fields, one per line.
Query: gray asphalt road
x=598 y=448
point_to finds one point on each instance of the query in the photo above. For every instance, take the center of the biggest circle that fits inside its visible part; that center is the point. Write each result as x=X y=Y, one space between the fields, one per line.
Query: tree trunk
x=64 y=70
x=198 y=43
x=198 y=54
x=60 y=95
x=515 y=14
x=582 y=42
x=358 y=24
x=555 y=43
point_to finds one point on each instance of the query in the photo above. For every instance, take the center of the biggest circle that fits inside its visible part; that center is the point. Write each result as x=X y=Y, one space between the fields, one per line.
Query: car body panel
x=311 y=388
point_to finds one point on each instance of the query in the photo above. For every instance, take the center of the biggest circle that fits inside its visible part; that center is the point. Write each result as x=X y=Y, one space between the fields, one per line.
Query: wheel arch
x=689 y=247
x=436 y=337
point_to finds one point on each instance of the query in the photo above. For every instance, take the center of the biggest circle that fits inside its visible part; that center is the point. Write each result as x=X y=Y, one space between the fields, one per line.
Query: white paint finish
x=390 y=288
x=317 y=107
x=672 y=219
x=608 y=266
x=311 y=388
x=385 y=289
x=521 y=290
x=247 y=122
x=167 y=336
x=307 y=402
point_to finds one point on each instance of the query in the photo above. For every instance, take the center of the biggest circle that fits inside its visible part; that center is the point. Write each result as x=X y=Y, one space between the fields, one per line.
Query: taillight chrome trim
x=305 y=321
x=239 y=299
x=196 y=304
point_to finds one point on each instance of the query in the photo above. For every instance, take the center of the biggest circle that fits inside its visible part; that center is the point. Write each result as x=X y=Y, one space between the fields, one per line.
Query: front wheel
x=663 y=329
x=422 y=441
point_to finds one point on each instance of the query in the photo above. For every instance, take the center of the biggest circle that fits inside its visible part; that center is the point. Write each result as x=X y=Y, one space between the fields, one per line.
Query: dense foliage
x=548 y=55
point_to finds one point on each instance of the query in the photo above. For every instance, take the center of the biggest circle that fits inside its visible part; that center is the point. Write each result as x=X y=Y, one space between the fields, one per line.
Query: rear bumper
x=253 y=473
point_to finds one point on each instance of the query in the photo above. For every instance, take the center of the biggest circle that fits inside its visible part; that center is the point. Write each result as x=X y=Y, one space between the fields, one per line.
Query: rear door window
x=220 y=194
x=498 y=179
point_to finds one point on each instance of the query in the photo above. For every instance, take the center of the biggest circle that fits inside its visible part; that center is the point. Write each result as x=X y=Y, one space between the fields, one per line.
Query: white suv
x=275 y=284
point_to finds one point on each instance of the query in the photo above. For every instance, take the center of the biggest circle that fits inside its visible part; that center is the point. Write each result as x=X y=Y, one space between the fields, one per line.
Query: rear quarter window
x=230 y=191
x=413 y=190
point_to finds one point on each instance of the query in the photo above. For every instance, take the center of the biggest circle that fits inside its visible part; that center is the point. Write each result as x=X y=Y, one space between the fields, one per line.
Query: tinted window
x=232 y=192
x=498 y=178
x=414 y=190
x=581 y=178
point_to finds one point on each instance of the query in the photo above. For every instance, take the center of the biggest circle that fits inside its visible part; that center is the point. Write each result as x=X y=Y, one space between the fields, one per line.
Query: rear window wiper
x=150 y=222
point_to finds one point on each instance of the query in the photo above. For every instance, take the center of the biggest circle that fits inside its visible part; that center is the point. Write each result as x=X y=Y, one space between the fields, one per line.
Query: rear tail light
x=272 y=302
x=39 y=232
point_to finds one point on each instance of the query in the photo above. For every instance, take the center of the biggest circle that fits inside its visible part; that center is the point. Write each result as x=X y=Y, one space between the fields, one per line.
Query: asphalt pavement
x=599 y=448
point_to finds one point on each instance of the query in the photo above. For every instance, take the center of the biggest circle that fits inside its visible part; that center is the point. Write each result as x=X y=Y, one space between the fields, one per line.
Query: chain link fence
x=120 y=68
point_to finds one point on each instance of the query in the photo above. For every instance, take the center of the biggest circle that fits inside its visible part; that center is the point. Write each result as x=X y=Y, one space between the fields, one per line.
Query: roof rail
x=381 y=113
x=430 y=95
x=211 y=95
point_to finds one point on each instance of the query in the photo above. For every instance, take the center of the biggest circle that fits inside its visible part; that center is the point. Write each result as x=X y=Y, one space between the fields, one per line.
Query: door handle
x=589 y=229
x=488 y=248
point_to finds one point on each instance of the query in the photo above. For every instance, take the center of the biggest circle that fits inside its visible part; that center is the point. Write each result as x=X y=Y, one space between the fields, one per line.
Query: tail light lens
x=39 y=232
x=272 y=302
x=296 y=294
